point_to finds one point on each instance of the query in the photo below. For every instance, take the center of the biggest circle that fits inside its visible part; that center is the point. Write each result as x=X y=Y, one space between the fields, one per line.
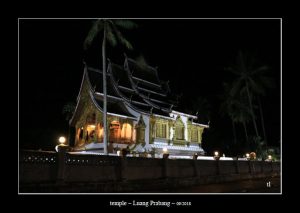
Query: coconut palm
x=236 y=109
x=253 y=82
x=263 y=83
x=111 y=33
x=241 y=114
x=245 y=82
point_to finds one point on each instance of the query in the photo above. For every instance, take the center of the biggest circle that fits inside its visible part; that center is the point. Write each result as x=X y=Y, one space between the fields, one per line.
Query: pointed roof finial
x=151 y=110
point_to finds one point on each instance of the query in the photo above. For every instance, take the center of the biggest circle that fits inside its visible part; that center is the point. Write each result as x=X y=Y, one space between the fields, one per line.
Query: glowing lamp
x=216 y=155
x=165 y=150
x=62 y=147
x=269 y=157
x=195 y=156
x=247 y=155
x=61 y=140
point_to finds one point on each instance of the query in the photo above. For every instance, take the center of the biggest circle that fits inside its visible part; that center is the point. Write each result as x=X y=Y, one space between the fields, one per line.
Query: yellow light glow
x=165 y=150
x=100 y=131
x=247 y=155
x=126 y=131
x=91 y=127
x=216 y=153
x=61 y=139
x=269 y=157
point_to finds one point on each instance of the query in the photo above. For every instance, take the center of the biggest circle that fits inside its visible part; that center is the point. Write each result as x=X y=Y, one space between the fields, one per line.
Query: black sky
x=191 y=53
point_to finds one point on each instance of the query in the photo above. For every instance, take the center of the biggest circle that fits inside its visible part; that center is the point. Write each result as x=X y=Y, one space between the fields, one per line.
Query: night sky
x=190 y=53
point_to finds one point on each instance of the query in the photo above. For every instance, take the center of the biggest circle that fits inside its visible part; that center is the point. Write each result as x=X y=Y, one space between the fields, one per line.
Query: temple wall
x=48 y=167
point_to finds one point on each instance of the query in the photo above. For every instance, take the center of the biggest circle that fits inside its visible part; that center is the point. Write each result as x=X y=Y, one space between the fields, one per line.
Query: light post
x=61 y=146
x=195 y=156
x=248 y=156
x=216 y=155
x=269 y=157
x=165 y=153
x=61 y=150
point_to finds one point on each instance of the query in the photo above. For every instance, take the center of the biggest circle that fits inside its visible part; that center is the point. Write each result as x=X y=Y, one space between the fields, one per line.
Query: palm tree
x=263 y=82
x=236 y=109
x=242 y=114
x=245 y=83
x=112 y=34
x=252 y=81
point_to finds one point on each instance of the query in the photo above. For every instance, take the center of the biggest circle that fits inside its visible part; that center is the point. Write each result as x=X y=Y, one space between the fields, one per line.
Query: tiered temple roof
x=138 y=86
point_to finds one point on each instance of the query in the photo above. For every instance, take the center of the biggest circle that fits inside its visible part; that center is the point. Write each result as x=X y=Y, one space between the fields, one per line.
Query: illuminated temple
x=141 y=113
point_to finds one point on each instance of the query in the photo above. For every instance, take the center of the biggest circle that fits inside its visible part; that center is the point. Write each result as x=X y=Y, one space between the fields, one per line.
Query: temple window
x=79 y=135
x=179 y=129
x=126 y=131
x=180 y=132
x=161 y=130
x=140 y=130
x=114 y=131
x=194 y=135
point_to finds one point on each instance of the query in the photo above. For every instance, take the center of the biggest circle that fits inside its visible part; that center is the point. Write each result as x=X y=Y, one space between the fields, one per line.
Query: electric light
x=247 y=155
x=61 y=139
x=165 y=150
x=270 y=157
x=216 y=155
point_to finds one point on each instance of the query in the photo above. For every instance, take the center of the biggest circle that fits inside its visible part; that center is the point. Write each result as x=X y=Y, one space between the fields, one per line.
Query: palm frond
x=110 y=35
x=257 y=88
x=126 y=24
x=236 y=87
x=121 y=38
x=260 y=69
x=95 y=29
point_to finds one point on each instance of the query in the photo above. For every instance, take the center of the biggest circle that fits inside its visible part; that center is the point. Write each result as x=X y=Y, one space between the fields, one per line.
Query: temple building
x=141 y=113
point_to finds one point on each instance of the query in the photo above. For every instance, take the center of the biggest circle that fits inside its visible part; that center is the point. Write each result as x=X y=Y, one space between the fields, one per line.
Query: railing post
x=61 y=156
x=237 y=166
x=217 y=160
x=251 y=169
x=164 y=167
x=123 y=167
x=196 y=171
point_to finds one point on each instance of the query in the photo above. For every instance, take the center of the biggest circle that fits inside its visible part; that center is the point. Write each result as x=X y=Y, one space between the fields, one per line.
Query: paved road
x=264 y=185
